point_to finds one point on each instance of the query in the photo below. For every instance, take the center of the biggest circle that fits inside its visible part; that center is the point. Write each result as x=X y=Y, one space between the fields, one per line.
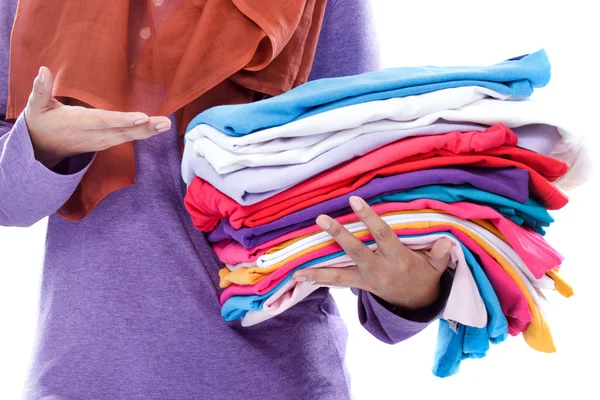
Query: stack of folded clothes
x=455 y=152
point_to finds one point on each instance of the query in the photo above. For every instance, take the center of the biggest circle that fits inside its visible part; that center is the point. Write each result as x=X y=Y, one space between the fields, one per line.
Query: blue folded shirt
x=516 y=77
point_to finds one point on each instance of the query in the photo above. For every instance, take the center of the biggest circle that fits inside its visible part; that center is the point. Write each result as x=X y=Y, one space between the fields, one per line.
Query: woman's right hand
x=59 y=131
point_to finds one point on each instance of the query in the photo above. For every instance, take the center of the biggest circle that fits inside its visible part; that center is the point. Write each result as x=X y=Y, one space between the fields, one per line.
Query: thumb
x=439 y=255
x=41 y=94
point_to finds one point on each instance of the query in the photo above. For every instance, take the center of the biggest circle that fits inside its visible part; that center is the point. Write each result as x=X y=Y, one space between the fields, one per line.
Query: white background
x=435 y=33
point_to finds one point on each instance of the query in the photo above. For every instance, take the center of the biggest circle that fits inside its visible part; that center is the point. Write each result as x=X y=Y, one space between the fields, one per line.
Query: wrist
x=49 y=160
x=415 y=301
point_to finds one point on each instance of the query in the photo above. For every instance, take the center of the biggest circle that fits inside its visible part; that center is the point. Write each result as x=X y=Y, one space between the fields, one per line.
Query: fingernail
x=443 y=249
x=42 y=75
x=141 y=120
x=163 y=127
x=356 y=203
x=299 y=278
x=324 y=222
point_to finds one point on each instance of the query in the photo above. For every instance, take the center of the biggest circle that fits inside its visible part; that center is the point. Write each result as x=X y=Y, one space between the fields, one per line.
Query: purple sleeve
x=28 y=190
x=392 y=325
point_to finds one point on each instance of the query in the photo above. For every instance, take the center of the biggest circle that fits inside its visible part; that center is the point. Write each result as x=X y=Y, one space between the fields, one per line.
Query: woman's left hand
x=402 y=277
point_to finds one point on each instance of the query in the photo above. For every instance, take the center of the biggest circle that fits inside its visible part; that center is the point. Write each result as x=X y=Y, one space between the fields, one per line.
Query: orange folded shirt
x=492 y=148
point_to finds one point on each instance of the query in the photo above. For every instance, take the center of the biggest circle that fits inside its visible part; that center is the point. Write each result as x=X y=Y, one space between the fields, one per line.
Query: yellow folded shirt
x=560 y=285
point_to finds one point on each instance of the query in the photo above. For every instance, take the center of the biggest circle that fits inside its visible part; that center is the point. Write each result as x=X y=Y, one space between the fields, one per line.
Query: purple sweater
x=129 y=295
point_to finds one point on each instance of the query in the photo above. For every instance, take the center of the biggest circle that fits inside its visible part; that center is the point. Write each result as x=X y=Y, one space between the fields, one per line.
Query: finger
x=339 y=277
x=356 y=249
x=115 y=136
x=387 y=240
x=41 y=93
x=439 y=255
x=95 y=119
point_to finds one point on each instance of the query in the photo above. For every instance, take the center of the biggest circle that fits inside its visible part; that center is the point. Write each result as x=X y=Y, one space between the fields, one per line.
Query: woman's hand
x=58 y=131
x=402 y=277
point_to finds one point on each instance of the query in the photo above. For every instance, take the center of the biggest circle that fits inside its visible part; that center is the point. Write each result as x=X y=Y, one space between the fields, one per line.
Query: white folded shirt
x=301 y=141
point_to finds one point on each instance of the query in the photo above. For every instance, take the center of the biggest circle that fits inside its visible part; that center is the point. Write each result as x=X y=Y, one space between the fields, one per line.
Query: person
x=129 y=294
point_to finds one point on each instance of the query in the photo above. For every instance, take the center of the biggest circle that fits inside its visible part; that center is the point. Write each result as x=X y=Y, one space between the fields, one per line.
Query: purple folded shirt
x=508 y=182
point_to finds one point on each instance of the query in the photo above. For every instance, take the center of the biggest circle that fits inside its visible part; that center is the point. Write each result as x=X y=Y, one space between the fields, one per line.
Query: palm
x=58 y=131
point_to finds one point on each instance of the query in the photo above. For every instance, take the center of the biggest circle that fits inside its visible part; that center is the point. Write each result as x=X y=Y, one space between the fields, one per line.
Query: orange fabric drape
x=181 y=57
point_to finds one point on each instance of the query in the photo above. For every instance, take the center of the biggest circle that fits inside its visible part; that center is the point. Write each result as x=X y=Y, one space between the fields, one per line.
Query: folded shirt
x=516 y=77
x=302 y=161
x=555 y=133
x=454 y=347
x=530 y=213
x=493 y=148
x=259 y=308
x=530 y=247
x=302 y=140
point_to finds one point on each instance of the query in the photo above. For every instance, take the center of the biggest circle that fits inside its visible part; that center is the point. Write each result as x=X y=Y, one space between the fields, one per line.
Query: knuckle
x=38 y=88
x=337 y=279
x=335 y=230
x=149 y=130
x=383 y=233
x=125 y=135
x=386 y=280
x=356 y=250
x=364 y=213
x=404 y=264
x=101 y=124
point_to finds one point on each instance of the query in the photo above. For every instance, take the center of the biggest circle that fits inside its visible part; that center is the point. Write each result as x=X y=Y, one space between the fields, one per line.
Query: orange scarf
x=158 y=57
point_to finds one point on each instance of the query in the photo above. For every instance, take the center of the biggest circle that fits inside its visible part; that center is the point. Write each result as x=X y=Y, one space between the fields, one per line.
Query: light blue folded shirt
x=530 y=213
x=516 y=78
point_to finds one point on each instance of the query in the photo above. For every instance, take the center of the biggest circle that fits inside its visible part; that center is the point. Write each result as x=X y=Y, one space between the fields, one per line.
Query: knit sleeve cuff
x=32 y=190
x=391 y=324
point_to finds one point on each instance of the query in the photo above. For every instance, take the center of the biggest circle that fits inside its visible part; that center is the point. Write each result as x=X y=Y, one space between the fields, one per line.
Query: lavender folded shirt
x=247 y=186
x=508 y=182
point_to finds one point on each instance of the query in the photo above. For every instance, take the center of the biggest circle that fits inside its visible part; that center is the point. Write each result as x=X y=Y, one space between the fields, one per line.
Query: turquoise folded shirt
x=516 y=78
x=470 y=342
x=531 y=213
